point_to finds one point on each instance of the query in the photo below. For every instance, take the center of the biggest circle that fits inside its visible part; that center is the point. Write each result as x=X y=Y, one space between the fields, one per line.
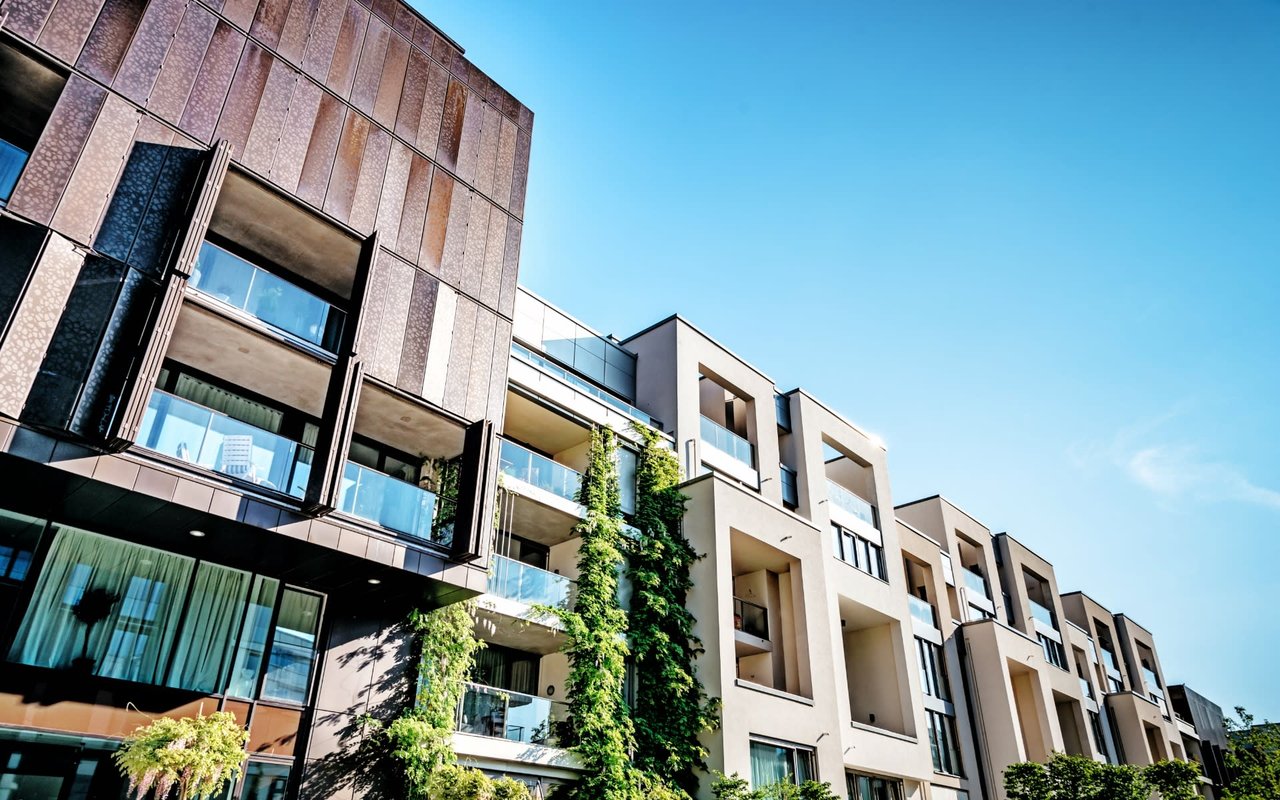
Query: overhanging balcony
x=524 y=583
x=502 y=714
x=200 y=436
x=539 y=472
x=395 y=504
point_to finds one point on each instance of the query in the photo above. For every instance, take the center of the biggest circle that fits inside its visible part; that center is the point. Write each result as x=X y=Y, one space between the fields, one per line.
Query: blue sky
x=1034 y=246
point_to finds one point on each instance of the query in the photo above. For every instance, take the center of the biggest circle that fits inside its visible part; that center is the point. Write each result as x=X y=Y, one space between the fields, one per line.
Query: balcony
x=527 y=584
x=556 y=371
x=1110 y=662
x=728 y=442
x=750 y=618
x=516 y=717
x=395 y=504
x=975 y=582
x=923 y=611
x=266 y=297
x=1152 y=683
x=1086 y=689
x=1044 y=615
x=198 y=435
x=849 y=502
x=12 y=161
x=539 y=471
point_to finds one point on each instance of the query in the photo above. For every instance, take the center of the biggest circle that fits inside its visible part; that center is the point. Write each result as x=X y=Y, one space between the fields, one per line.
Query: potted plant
x=93 y=607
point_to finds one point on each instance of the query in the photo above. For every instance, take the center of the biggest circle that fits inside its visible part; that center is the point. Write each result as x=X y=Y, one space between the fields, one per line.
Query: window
x=872 y=787
x=858 y=552
x=1053 y=651
x=264 y=781
x=790 y=492
x=933 y=670
x=1099 y=740
x=942 y=743
x=773 y=763
x=18 y=536
x=120 y=610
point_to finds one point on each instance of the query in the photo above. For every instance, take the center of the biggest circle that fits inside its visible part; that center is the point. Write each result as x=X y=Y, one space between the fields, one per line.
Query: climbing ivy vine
x=671 y=706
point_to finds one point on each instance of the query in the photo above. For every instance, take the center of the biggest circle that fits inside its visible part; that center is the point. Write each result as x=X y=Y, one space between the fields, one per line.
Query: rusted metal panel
x=491 y=269
x=458 y=377
x=433 y=102
x=369 y=73
x=391 y=84
x=103 y=50
x=182 y=64
x=373 y=169
x=323 y=38
x=209 y=92
x=398 y=277
x=240 y=13
x=434 y=230
x=487 y=156
x=510 y=269
x=322 y=149
x=297 y=25
x=291 y=153
x=469 y=144
x=409 y=113
x=133 y=192
x=394 y=184
x=455 y=105
x=95 y=176
x=385 y=9
x=504 y=164
x=520 y=175
x=264 y=136
x=242 y=101
x=342 y=68
x=404 y=22
x=423 y=36
x=68 y=27
x=146 y=53
x=455 y=236
x=525 y=118
x=481 y=364
x=268 y=22
x=54 y=159
x=417 y=332
x=473 y=252
x=346 y=166
x=413 y=214
x=442 y=51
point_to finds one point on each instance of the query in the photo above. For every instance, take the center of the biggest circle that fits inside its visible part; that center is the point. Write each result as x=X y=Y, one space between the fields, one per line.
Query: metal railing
x=395 y=504
x=524 y=583
x=501 y=714
x=848 y=501
x=728 y=442
x=540 y=471
x=923 y=610
x=199 y=435
x=750 y=618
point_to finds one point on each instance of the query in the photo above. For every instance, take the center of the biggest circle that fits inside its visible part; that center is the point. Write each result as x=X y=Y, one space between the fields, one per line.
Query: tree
x=672 y=707
x=734 y=787
x=1073 y=777
x=1122 y=782
x=599 y=729
x=1174 y=780
x=1068 y=777
x=1252 y=758
x=196 y=755
x=1027 y=780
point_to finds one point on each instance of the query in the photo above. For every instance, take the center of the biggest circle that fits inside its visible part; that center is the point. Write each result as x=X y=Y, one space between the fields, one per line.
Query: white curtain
x=229 y=403
x=136 y=591
x=208 y=632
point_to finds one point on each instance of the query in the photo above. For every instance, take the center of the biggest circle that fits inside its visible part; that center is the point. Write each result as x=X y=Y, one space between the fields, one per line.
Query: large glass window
x=1053 y=651
x=858 y=552
x=252 y=648
x=942 y=743
x=293 y=647
x=773 y=763
x=201 y=659
x=933 y=670
x=873 y=787
x=264 y=781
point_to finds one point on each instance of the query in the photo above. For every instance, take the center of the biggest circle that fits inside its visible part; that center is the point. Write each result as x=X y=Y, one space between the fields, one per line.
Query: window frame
x=795 y=754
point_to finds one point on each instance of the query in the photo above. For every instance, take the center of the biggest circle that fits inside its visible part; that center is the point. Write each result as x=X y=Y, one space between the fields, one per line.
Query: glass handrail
x=540 y=471
x=1152 y=682
x=555 y=370
x=12 y=161
x=975 y=582
x=1086 y=688
x=750 y=618
x=515 y=716
x=1043 y=614
x=266 y=296
x=395 y=504
x=525 y=583
x=1109 y=660
x=923 y=610
x=848 y=501
x=726 y=441
x=199 y=435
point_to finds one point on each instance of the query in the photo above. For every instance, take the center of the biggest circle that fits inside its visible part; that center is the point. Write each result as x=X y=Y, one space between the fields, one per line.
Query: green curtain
x=252 y=648
x=136 y=592
x=217 y=606
x=769 y=765
x=229 y=403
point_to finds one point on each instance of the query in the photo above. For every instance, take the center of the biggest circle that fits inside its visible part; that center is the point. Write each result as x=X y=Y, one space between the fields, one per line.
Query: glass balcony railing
x=844 y=499
x=1110 y=661
x=750 y=618
x=1152 y=682
x=267 y=297
x=538 y=471
x=527 y=584
x=12 y=161
x=726 y=441
x=395 y=504
x=923 y=610
x=1086 y=688
x=1043 y=614
x=555 y=370
x=500 y=714
x=975 y=582
x=193 y=433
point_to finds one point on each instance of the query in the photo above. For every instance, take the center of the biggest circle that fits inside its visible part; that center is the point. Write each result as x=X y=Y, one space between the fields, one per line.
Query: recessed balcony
x=514 y=716
x=750 y=628
x=538 y=471
x=395 y=504
x=524 y=583
x=922 y=611
x=846 y=502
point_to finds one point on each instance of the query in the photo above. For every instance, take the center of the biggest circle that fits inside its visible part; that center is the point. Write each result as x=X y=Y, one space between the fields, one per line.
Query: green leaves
x=1253 y=758
x=197 y=755
x=1068 y=777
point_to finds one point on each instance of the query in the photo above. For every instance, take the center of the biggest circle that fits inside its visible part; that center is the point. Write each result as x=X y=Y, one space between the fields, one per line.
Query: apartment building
x=257 y=275
x=897 y=652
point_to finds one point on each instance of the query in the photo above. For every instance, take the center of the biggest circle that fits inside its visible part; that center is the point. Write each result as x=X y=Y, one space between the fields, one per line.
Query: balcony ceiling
x=405 y=425
x=541 y=427
x=27 y=94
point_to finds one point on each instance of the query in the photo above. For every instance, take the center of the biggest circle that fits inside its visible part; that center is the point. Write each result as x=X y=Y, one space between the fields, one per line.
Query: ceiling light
x=197 y=534
x=374 y=581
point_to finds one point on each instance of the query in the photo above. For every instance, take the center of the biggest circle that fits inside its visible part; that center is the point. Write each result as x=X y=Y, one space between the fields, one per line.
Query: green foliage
x=1073 y=777
x=1252 y=758
x=672 y=707
x=1122 y=782
x=1174 y=780
x=599 y=728
x=1026 y=780
x=452 y=782
x=733 y=787
x=421 y=738
x=196 y=755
